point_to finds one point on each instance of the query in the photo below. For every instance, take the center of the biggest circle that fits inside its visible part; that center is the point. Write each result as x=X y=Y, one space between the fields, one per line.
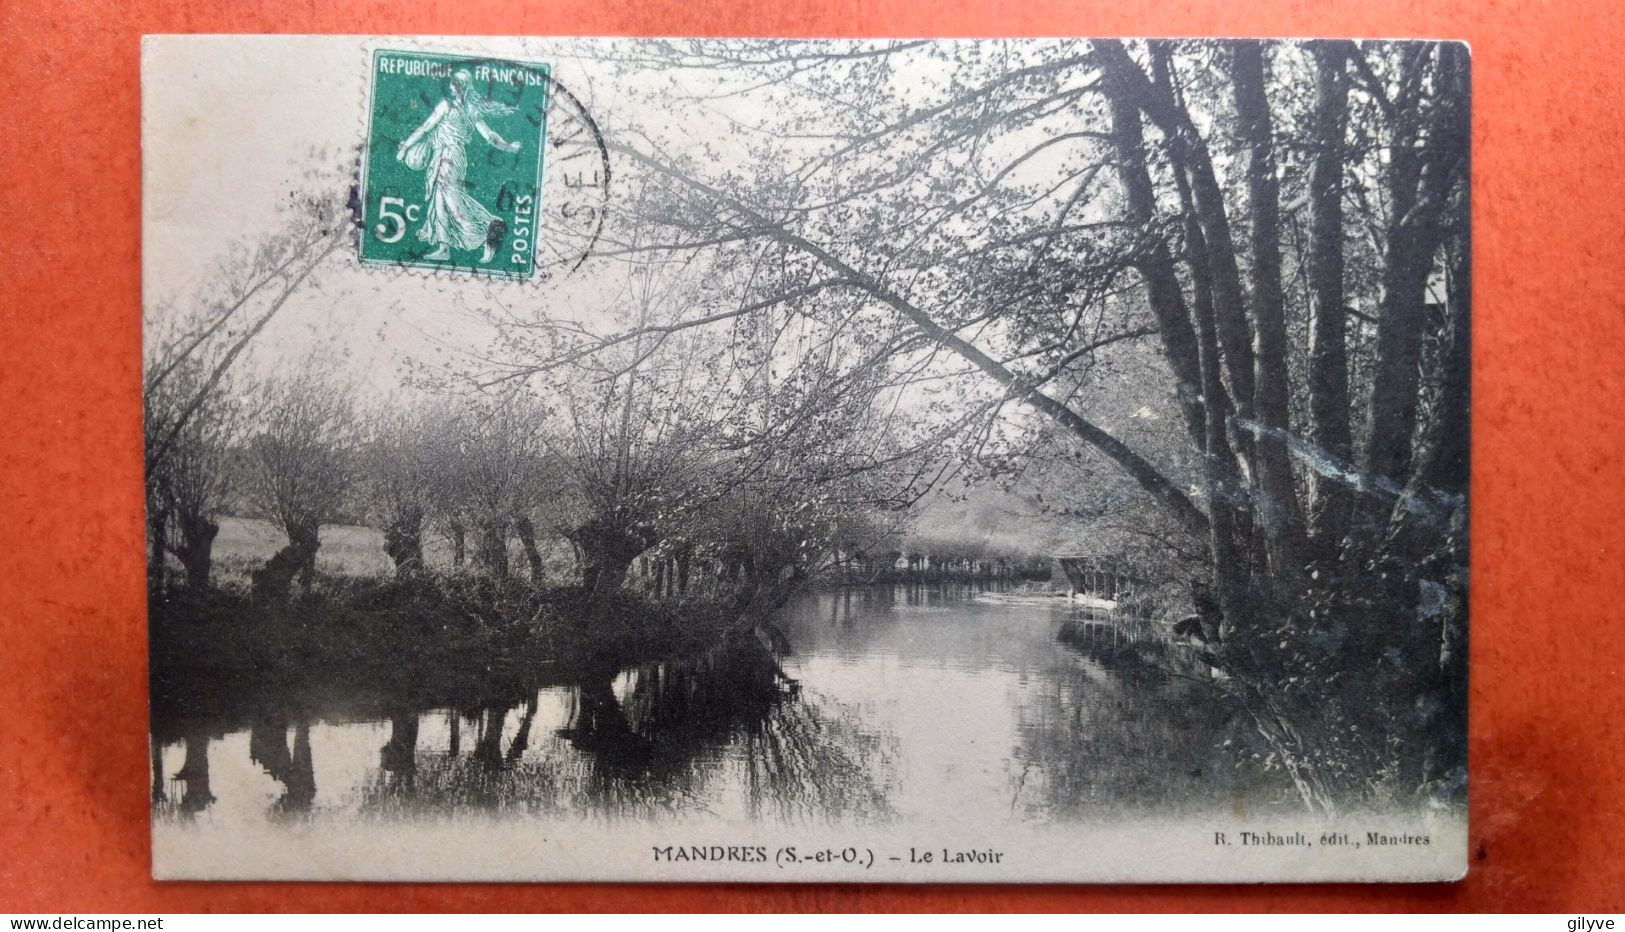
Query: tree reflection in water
x=1131 y=722
x=802 y=759
x=194 y=773
x=656 y=738
x=160 y=795
x=268 y=747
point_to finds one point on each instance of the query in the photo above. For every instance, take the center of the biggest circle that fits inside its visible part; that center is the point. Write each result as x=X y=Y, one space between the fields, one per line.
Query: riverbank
x=396 y=632
x=1045 y=743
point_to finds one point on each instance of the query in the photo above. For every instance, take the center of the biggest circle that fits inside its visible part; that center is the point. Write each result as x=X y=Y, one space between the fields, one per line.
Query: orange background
x=1548 y=764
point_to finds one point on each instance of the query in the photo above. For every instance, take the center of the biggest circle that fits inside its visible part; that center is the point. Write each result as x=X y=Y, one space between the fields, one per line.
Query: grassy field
x=245 y=544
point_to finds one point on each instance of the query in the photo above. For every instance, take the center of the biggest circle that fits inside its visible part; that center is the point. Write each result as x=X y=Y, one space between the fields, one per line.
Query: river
x=913 y=706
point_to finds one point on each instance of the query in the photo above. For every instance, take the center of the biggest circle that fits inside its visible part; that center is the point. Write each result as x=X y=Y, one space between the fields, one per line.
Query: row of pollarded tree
x=625 y=470
x=677 y=448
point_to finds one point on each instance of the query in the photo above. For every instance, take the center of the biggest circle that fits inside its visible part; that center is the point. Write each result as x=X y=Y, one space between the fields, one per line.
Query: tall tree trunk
x=1420 y=183
x=1277 y=511
x=1159 y=102
x=1442 y=460
x=273 y=582
x=493 y=547
x=1329 y=429
x=609 y=572
x=196 y=549
x=526 y=531
x=403 y=540
x=1228 y=500
x=774 y=576
x=1407 y=259
x=1192 y=352
x=307 y=569
x=607 y=552
x=459 y=545
x=685 y=559
x=1422 y=554
x=1428 y=526
x=1156 y=267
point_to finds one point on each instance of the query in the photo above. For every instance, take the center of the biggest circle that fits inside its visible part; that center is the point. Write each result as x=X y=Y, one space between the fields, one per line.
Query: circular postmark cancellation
x=456 y=153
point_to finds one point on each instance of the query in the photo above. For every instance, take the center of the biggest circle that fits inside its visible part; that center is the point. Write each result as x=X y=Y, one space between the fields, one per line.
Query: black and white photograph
x=905 y=460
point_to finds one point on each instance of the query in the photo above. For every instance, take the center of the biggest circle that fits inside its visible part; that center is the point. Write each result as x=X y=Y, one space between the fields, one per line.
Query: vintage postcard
x=784 y=460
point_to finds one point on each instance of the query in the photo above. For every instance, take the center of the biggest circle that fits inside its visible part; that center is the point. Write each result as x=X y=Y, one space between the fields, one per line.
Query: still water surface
x=906 y=704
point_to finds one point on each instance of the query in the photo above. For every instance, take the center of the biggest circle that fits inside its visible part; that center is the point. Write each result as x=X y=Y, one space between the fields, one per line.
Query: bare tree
x=188 y=487
x=298 y=468
x=396 y=469
x=631 y=448
x=190 y=414
x=488 y=468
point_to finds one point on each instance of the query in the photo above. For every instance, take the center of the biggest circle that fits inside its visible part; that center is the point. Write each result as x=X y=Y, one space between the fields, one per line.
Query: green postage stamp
x=452 y=174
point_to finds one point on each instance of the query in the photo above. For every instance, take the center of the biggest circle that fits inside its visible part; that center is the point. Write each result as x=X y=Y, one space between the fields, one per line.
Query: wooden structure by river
x=1098 y=579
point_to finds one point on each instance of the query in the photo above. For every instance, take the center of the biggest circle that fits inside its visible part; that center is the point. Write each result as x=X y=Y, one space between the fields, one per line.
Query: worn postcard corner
x=792 y=460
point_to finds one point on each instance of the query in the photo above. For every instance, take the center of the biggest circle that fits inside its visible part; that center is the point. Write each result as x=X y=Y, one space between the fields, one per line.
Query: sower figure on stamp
x=453 y=217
